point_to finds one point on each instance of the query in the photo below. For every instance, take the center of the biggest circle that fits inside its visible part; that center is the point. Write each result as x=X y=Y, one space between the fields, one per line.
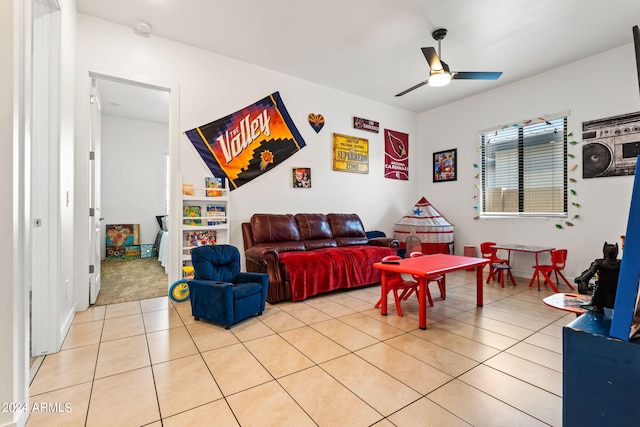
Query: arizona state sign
x=249 y=142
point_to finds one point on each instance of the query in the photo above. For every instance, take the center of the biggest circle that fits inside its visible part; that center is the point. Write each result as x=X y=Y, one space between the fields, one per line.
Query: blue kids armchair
x=220 y=293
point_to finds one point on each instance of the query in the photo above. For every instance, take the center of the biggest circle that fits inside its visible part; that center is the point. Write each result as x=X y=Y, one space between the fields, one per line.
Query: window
x=524 y=169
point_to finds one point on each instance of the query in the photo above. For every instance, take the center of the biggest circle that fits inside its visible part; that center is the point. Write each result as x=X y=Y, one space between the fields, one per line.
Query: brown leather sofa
x=307 y=254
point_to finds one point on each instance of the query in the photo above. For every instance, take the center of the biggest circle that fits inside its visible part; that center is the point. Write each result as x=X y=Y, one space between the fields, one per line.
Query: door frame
x=95 y=136
x=47 y=329
x=174 y=172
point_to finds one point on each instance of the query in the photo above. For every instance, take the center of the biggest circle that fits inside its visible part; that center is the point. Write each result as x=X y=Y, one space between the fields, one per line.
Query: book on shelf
x=216 y=215
x=192 y=215
x=212 y=185
x=188 y=190
x=200 y=238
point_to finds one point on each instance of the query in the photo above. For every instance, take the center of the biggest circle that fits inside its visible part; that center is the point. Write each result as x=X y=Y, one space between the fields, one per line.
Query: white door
x=94 y=194
x=43 y=175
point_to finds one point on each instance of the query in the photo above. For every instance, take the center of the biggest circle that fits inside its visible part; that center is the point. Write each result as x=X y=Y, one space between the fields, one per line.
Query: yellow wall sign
x=350 y=154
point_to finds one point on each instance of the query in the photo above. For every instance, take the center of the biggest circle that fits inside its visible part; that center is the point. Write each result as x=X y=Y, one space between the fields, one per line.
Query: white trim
x=524 y=122
x=14 y=352
x=175 y=190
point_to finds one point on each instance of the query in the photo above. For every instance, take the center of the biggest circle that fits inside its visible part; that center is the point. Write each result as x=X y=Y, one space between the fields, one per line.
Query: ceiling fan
x=439 y=72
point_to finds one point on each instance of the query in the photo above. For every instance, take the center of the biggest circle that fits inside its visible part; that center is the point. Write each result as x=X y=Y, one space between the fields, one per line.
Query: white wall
x=577 y=88
x=213 y=86
x=133 y=176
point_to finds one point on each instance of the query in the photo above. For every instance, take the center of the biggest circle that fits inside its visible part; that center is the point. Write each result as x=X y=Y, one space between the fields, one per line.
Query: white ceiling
x=136 y=102
x=371 y=48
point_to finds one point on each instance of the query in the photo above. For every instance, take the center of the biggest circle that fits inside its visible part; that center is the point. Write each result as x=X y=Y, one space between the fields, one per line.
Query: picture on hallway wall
x=301 y=177
x=445 y=165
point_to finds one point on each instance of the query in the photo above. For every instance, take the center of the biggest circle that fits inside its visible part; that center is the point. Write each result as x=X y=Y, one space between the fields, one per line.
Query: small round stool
x=470 y=251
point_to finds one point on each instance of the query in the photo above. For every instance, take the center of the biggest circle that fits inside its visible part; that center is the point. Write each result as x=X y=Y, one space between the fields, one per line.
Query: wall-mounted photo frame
x=301 y=177
x=445 y=165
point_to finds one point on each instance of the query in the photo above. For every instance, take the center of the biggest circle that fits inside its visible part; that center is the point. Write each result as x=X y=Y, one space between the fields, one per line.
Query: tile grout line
x=349 y=352
x=95 y=367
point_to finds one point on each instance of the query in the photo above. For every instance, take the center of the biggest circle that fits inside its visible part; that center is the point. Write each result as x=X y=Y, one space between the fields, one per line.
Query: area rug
x=131 y=280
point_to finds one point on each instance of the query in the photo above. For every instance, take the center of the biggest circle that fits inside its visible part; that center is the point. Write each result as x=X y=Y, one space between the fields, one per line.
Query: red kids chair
x=439 y=279
x=558 y=262
x=489 y=252
x=396 y=283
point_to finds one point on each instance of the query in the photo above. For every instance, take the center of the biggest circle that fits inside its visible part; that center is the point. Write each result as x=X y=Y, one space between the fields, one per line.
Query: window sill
x=523 y=215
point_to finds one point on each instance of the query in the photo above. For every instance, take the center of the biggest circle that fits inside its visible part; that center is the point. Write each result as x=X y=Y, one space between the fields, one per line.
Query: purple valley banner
x=249 y=142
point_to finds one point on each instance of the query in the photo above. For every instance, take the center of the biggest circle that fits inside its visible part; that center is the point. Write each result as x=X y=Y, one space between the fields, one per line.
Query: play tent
x=428 y=225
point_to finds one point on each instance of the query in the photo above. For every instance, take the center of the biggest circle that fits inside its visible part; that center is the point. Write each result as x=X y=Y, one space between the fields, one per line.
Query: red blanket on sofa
x=323 y=270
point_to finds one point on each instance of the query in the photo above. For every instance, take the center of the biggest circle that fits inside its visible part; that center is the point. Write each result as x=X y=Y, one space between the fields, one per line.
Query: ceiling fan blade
x=432 y=58
x=477 y=75
x=413 y=87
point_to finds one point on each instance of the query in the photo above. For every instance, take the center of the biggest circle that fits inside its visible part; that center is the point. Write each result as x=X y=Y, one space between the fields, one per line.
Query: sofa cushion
x=315 y=231
x=347 y=229
x=295 y=245
x=312 y=245
x=313 y=226
x=269 y=228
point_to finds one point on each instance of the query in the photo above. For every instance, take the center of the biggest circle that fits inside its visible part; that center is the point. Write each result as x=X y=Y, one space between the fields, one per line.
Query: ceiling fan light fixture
x=439 y=72
x=439 y=78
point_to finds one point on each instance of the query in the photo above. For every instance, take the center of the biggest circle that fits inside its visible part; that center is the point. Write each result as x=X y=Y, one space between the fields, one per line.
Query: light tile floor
x=329 y=361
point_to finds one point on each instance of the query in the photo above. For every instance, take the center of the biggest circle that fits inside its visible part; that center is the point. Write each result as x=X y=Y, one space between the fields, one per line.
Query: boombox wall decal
x=610 y=146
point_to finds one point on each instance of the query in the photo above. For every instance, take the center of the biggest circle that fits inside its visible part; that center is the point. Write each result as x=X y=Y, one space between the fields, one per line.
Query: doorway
x=130 y=190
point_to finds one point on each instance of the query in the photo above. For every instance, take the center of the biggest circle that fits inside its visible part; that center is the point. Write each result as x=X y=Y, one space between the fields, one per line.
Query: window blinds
x=524 y=169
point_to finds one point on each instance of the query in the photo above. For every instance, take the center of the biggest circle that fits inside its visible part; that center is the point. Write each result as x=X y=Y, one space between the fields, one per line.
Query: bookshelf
x=205 y=218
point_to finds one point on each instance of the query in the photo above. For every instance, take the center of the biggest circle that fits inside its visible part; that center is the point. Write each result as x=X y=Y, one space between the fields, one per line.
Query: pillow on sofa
x=374 y=234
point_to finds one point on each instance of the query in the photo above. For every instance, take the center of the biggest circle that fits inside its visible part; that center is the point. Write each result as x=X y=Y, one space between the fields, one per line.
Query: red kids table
x=430 y=265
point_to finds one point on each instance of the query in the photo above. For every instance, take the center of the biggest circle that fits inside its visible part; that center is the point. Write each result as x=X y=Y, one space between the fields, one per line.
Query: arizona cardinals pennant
x=396 y=155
